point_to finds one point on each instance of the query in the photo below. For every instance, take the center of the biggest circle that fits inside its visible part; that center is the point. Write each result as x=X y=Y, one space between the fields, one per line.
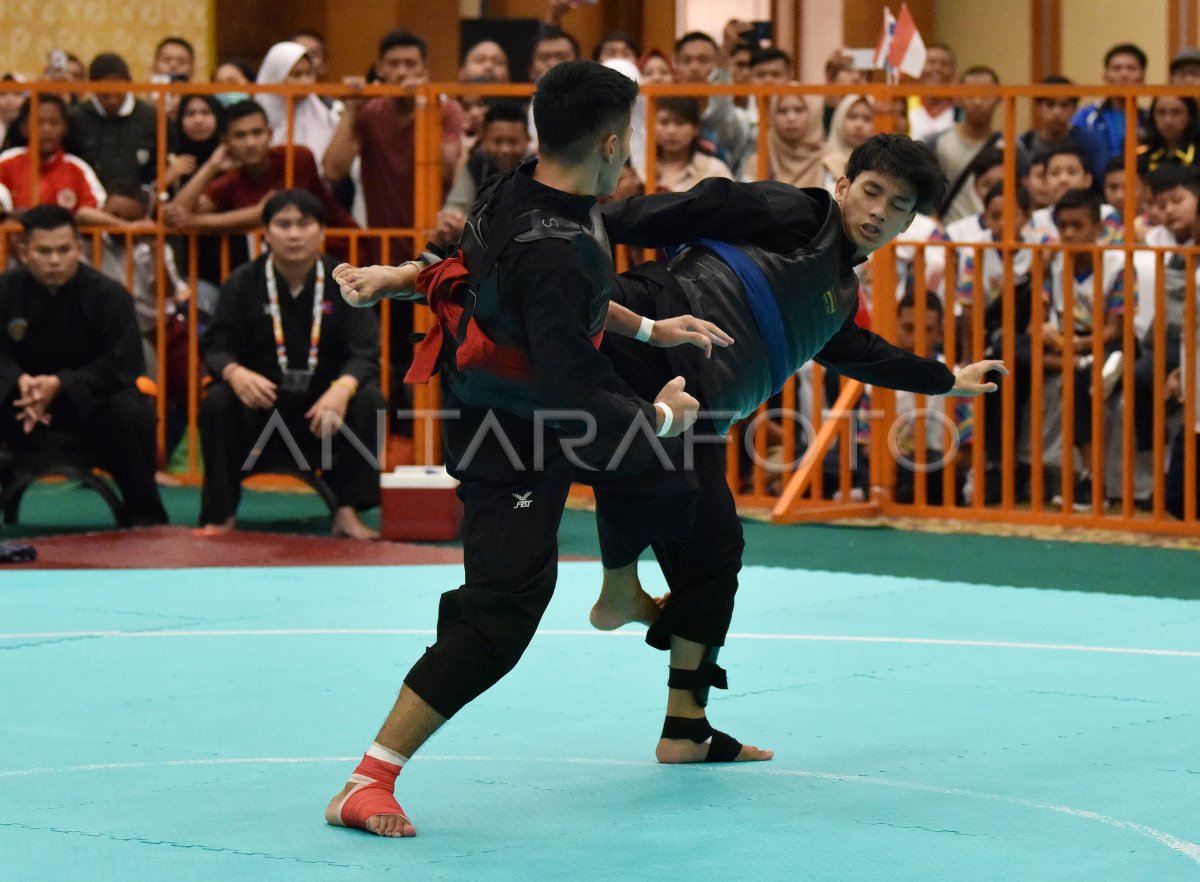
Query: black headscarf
x=202 y=150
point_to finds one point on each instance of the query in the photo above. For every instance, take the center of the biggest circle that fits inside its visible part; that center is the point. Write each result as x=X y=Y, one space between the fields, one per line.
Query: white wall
x=710 y=16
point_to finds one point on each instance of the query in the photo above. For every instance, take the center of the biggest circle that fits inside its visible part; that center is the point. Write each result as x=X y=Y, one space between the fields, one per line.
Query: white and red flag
x=906 y=52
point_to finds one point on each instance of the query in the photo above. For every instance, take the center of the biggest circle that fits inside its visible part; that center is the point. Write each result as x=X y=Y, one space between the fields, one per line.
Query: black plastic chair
x=62 y=456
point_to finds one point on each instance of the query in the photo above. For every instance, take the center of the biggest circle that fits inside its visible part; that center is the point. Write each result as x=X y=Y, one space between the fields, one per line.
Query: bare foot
x=219 y=529
x=347 y=524
x=614 y=609
x=685 y=750
x=381 y=824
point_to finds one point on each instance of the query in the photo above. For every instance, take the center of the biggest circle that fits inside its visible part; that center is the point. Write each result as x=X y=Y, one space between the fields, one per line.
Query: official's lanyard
x=277 y=321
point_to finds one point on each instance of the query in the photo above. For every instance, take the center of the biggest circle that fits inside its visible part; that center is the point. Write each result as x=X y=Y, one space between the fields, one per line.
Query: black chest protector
x=814 y=289
x=501 y=378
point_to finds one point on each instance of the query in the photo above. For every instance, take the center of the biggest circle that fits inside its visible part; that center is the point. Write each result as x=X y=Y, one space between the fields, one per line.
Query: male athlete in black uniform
x=773 y=265
x=550 y=308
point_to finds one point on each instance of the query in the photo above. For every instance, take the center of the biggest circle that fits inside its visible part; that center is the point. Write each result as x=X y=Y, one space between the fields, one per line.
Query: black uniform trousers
x=229 y=430
x=510 y=557
x=685 y=513
x=513 y=505
x=117 y=434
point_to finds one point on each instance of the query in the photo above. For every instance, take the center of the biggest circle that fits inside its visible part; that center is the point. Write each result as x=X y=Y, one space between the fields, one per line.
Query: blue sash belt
x=763 y=306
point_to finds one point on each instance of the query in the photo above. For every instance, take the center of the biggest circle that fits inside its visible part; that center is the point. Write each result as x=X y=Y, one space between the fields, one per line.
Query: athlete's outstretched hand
x=367 y=285
x=690 y=330
x=968 y=380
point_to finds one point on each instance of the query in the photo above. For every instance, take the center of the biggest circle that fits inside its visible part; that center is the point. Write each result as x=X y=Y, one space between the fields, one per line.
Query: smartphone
x=758 y=34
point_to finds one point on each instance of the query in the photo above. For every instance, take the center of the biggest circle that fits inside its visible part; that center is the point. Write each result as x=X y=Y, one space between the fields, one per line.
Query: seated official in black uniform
x=296 y=373
x=70 y=356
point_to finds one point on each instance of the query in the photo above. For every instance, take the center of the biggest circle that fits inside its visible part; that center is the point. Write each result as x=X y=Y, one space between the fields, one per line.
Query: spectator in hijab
x=795 y=142
x=852 y=123
x=313 y=124
x=194 y=137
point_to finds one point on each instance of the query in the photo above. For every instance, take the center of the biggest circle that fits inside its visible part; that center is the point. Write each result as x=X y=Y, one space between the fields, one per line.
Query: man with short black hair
x=617 y=44
x=727 y=130
x=1100 y=127
x=381 y=132
x=485 y=61
x=174 y=57
x=1051 y=120
x=114 y=132
x=550 y=304
x=296 y=373
x=956 y=148
x=70 y=356
x=696 y=57
x=552 y=46
x=771 y=66
x=772 y=265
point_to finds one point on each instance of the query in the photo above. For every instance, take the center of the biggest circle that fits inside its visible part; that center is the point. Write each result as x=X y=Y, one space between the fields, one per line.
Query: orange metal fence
x=800 y=456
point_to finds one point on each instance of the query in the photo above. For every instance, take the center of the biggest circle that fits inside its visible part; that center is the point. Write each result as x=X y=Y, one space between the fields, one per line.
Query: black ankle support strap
x=722 y=748
x=708 y=674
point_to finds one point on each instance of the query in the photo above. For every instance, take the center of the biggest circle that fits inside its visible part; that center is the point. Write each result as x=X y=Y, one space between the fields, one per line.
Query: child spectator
x=1077 y=217
x=903 y=434
x=1034 y=181
x=1066 y=170
x=1176 y=192
x=988 y=226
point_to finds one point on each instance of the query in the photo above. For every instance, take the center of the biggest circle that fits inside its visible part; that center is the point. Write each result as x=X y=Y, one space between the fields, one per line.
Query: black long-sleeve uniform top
x=241 y=331
x=796 y=237
x=552 y=299
x=85 y=333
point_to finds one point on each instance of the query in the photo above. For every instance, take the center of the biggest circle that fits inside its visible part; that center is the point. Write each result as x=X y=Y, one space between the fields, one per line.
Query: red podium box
x=418 y=504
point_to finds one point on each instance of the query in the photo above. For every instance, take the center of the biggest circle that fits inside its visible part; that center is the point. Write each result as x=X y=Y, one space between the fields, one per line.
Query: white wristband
x=666 y=412
x=644 y=330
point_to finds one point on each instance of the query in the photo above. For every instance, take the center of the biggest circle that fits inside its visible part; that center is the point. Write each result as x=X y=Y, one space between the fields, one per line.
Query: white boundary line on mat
x=429 y=632
x=1185 y=847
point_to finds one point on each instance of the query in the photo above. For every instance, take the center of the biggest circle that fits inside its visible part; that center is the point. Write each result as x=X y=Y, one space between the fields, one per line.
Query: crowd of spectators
x=353 y=161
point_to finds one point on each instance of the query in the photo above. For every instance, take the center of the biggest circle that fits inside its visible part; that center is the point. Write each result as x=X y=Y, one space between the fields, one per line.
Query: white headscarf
x=637 y=142
x=313 y=122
